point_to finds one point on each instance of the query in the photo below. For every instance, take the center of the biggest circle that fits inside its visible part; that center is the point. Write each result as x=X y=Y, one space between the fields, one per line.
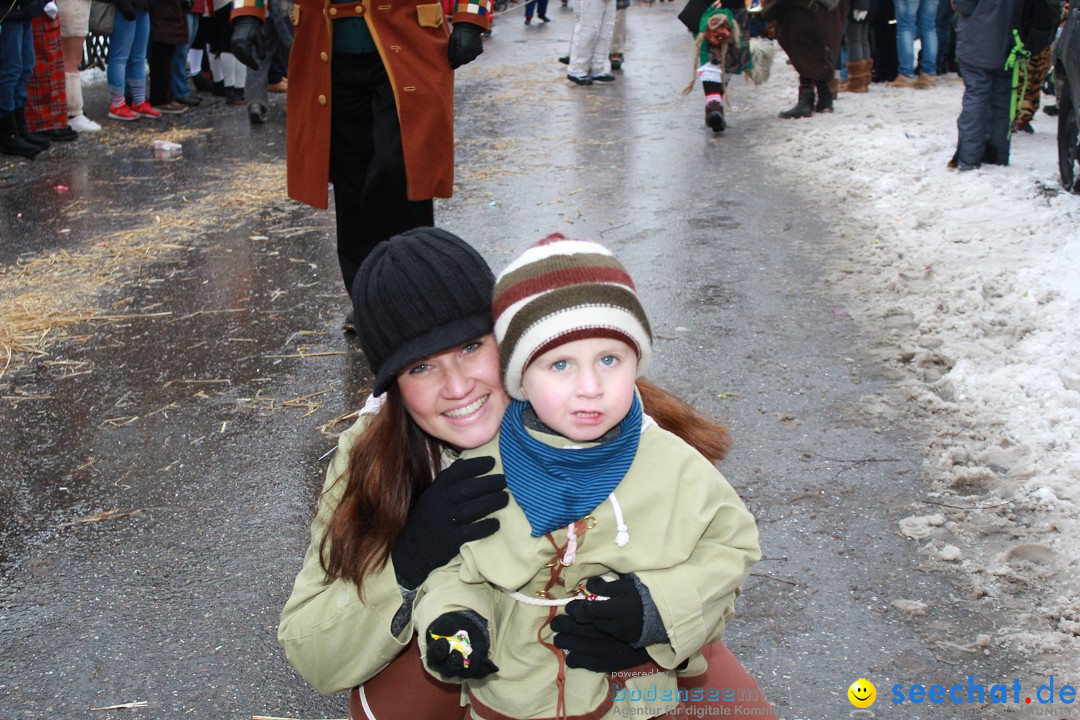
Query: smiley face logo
x=862 y=693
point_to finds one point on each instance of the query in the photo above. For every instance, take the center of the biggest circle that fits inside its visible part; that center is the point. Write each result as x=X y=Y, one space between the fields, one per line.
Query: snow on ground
x=972 y=283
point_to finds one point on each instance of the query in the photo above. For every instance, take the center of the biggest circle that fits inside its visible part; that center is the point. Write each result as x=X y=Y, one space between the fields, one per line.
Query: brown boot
x=858 y=78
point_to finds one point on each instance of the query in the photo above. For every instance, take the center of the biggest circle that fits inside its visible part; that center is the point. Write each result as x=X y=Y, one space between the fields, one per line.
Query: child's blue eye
x=559 y=365
x=419 y=369
x=609 y=360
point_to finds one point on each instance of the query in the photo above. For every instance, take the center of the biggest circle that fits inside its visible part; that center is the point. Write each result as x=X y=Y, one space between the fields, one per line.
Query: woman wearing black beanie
x=396 y=505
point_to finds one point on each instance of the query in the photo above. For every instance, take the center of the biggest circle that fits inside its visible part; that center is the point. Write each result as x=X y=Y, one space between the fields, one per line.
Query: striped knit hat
x=558 y=291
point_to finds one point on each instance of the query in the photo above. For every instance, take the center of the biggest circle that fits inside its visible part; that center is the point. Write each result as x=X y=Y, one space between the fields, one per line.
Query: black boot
x=824 y=97
x=11 y=143
x=805 y=106
x=714 y=115
x=20 y=126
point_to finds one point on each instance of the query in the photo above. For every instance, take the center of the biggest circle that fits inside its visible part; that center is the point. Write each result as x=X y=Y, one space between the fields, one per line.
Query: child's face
x=584 y=388
x=717 y=33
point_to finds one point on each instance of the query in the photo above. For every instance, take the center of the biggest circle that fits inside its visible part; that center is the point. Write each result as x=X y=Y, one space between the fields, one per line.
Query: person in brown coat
x=168 y=29
x=370 y=108
x=810 y=32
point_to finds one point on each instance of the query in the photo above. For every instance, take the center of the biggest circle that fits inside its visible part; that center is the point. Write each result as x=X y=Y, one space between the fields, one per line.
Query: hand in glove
x=465 y=44
x=248 y=43
x=446 y=516
x=622 y=615
x=125 y=8
x=590 y=649
x=457 y=646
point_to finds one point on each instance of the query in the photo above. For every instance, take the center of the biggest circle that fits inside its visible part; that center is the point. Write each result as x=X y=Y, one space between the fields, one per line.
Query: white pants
x=592 y=37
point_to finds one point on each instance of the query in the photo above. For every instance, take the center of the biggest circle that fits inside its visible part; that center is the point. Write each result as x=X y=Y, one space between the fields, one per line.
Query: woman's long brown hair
x=708 y=437
x=390 y=464
x=393 y=461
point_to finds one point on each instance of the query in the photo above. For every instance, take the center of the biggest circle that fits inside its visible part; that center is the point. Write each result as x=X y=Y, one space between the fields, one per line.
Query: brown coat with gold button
x=412 y=38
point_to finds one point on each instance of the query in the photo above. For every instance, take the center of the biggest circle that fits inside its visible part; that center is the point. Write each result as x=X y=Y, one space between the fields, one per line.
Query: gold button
x=322 y=99
x=333 y=11
x=325 y=57
x=359 y=9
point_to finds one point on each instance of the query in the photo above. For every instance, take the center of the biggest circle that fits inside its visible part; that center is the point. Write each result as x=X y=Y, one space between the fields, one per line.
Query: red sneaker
x=143 y=109
x=122 y=112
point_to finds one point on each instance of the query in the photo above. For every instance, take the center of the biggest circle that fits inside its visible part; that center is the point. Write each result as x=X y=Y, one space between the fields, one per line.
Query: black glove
x=590 y=649
x=465 y=44
x=448 y=662
x=446 y=516
x=622 y=615
x=187 y=5
x=248 y=43
x=125 y=8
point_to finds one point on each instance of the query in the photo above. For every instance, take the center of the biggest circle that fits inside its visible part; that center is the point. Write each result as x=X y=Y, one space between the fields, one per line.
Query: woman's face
x=456 y=396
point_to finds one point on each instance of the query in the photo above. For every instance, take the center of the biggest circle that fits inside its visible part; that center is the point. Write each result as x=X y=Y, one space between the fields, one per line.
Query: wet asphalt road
x=177 y=418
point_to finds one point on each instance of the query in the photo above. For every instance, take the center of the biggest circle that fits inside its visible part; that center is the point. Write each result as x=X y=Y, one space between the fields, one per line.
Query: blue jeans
x=180 y=86
x=16 y=63
x=983 y=125
x=127 y=52
x=923 y=15
x=532 y=5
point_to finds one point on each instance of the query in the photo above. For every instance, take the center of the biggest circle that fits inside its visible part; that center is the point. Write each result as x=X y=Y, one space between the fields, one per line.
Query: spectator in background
x=1039 y=66
x=277 y=37
x=590 y=46
x=983 y=40
x=181 y=91
x=126 y=72
x=883 y=40
x=168 y=31
x=534 y=5
x=810 y=32
x=46 y=100
x=618 y=38
x=946 y=38
x=860 y=62
x=916 y=17
x=229 y=73
x=74 y=27
x=16 y=65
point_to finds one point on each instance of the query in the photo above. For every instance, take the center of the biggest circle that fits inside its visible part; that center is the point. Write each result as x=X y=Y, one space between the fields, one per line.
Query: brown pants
x=405 y=691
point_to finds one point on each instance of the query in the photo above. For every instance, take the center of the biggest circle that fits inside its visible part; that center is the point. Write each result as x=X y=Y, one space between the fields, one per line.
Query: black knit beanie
x=419 y=293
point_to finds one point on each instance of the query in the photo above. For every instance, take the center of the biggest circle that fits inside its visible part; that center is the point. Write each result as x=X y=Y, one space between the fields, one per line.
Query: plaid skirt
x=46 y=98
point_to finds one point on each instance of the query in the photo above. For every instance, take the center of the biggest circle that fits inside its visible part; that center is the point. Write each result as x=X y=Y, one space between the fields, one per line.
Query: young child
x=613 y=520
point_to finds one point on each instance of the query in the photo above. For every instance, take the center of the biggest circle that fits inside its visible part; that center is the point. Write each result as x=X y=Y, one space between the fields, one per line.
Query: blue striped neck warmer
x=556 y=486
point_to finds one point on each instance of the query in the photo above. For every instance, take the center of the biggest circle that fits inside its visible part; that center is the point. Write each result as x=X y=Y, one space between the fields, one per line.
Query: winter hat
x=558 y=291
x=419 y=293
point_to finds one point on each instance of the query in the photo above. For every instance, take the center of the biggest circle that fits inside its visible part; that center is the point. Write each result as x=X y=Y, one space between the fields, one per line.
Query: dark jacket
x=23 y=10
x=168 y=22
x=984 y=32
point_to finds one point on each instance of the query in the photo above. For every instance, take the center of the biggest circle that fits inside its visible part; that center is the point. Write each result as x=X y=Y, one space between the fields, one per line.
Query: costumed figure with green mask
x=722 y=48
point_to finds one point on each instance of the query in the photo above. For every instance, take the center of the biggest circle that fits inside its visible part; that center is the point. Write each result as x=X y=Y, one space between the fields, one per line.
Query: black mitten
x=446 y=516
x=457 y=646
x=622 y=615
x=466 y=44
x=591 y=649
x=248 y=43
